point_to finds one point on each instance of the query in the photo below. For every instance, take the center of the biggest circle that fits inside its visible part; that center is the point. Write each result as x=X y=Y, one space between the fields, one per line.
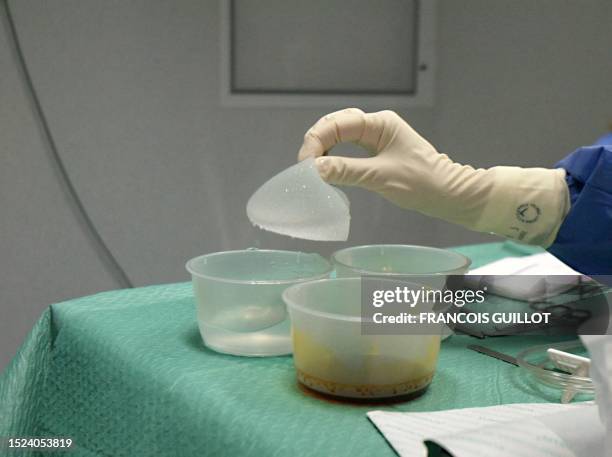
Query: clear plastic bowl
x=398 y=260
x=239 y=305
x=332 y=356
x=536 y=362
x=433 y=265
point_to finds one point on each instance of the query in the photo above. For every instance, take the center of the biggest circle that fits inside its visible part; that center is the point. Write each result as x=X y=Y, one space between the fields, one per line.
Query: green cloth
x=125 y=373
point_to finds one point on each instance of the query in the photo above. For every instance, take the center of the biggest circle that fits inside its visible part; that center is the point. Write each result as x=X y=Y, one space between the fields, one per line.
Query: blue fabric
x=584 y=240
x=604 y=140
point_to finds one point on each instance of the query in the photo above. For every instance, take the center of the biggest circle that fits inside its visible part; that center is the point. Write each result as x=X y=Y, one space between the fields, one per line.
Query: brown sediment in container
x=375 y=402
x=369 y=392
x=372 y=375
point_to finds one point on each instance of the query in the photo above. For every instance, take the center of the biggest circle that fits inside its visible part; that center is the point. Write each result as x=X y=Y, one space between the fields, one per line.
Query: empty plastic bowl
x=433 y=265
x=239 y=303
x=398 y=260
x=298 y=203
x=332 y=356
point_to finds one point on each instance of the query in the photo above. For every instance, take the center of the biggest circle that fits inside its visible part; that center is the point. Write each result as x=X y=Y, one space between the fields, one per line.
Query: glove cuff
x=525 y=204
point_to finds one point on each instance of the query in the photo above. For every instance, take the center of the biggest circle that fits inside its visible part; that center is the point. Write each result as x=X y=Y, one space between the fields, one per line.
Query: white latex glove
x=525 y=204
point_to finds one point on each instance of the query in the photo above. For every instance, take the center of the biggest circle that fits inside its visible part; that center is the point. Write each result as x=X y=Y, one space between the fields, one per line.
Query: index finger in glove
x=341 y=126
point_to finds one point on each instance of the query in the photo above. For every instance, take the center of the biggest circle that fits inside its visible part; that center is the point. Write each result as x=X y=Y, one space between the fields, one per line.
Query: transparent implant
x=298 y=203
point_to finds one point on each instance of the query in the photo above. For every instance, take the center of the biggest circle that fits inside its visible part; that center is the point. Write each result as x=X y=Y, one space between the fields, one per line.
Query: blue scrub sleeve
x=605 y=140
x=584 y=241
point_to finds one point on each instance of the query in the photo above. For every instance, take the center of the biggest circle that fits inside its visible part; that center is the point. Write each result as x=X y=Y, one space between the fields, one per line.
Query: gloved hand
x=525 y=204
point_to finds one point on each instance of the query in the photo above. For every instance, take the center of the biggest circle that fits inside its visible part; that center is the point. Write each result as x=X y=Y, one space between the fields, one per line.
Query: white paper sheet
x=500 y=277
x=526 y=430
x=541 y=264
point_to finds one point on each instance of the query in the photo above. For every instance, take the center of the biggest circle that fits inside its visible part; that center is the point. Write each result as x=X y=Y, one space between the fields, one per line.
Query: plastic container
x=332 y=356
x=239 y=305
x=536 y=362
x=432 y=265
x=398 y=260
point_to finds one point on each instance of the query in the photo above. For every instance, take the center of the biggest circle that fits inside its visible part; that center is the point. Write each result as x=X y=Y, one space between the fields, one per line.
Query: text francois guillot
x=411 y=297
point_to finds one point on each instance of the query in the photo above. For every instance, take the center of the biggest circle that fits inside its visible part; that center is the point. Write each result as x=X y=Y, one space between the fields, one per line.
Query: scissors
x=566 y=311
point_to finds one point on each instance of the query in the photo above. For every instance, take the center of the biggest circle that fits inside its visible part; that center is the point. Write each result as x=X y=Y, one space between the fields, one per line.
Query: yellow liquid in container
x=365 y=374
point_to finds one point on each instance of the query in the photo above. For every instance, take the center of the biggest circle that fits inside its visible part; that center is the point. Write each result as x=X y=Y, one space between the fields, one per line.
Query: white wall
x=45 y=255
x=131 y=94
